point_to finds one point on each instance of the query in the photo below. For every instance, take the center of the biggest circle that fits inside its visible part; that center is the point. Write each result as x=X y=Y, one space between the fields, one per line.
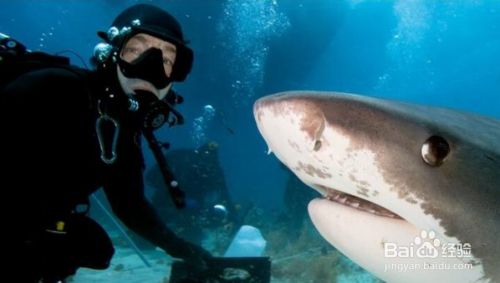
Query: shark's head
x=404 y=185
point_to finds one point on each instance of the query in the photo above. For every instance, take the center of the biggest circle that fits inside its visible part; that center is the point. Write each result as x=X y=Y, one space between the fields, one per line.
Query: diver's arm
x=126 y=196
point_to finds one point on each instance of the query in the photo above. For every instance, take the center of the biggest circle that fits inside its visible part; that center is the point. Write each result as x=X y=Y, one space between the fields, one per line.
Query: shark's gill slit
x=357 y=203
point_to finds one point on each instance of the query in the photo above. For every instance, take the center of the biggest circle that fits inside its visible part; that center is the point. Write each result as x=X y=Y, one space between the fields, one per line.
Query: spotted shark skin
x=371 y=149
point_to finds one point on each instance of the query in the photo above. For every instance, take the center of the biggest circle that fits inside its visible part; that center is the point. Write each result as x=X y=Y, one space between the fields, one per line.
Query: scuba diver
x=88 y=126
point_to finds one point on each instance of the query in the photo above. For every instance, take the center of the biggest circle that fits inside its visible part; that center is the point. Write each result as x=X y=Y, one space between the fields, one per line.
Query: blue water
x=443 y=53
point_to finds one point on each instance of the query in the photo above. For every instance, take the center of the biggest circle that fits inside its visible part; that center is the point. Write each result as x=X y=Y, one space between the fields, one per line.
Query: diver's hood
x=144 y=18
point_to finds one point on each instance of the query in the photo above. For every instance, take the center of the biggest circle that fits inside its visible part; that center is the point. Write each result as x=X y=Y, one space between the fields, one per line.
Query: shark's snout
x=282 y=120
x=256 y=109
x=280 y=123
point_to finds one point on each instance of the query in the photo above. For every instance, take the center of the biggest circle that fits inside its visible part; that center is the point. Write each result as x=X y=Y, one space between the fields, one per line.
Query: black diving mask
x=148 y=67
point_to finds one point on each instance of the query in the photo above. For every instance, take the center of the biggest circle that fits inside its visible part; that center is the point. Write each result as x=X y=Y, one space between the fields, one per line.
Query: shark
x=409 y=192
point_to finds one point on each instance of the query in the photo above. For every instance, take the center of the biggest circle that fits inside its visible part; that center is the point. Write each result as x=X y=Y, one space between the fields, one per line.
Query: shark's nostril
x=317 y=145
x=313 y=125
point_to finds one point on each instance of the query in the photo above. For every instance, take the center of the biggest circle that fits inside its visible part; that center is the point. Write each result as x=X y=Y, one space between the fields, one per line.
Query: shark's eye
x=435 y=150
x=317 y=145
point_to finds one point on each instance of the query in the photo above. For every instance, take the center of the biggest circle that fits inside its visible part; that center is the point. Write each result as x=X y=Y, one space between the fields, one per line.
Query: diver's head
x=148 y=48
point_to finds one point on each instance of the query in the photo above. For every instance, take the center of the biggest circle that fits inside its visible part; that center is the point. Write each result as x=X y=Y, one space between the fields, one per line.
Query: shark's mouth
x=356 y=202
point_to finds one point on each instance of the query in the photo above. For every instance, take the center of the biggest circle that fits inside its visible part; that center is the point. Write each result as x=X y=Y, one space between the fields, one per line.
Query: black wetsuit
x=51 y=156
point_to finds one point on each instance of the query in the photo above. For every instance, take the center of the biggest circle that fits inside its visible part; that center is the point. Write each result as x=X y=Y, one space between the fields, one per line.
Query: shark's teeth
x=357 y=203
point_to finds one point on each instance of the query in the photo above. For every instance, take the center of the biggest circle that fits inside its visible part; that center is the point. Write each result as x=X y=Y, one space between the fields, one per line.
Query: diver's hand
x=192 y=254
x=197 y=256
